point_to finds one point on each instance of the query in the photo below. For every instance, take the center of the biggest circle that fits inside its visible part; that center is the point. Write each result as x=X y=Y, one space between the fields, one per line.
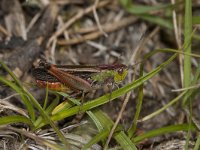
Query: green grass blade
x=166 y=50
x=97 y=122
x=102 y=135
x=62 y=106
x=46 y=97
x=103 y=124
x=196 y=37
x=124 y=141
x=187 y=39
x=162 y=131
x=193 y=92
x=48 y=120
x=165 y=107
x=167 y=23
x=197 y=144
x=73 y=100
x=115 y=94
x=140 y=138
x=195 y=20
x=140 y=9
x=144 y=12
x=187 y=59
x=45 y=116
x=49 y=110
x=23 y=96
x=15 y=119
x=119 y=135
x=132 y=129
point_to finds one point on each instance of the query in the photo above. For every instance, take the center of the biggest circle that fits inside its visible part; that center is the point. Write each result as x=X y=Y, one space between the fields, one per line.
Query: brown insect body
x=75 y=78
x=71 y=81
x=51 y=85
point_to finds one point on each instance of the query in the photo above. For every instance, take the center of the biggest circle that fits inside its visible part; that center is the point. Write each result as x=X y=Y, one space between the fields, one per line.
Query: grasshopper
x=78 y=78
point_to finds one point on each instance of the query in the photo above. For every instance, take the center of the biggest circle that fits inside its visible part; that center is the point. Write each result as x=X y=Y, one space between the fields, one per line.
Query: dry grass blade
x=4 y=31
x=118 y=119
x=5 y=104
x=140 y=34
x=134 y=56
x=110 y=27
x=80 y=14
x=97 y=18
x=39 y=140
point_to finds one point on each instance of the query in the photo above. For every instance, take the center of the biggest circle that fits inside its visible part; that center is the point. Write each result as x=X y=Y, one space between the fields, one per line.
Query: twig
x=142 y=43
x=4 y=103
x=187 y=88
x=52 y=51
x=4 y=31
x=134 y=57
x=97 y=18
x=111 y=27
x=178 y=41
x=80 y=14
x=118 y=119
x=33 y=21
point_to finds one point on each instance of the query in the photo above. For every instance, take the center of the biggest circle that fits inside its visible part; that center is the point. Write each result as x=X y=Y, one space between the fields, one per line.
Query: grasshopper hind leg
x=110 y=88
x=80 y=114
x=81 y=101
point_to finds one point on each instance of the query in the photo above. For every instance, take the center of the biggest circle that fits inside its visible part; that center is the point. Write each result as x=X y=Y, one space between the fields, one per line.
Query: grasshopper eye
x=44 y=64
x=120 y=71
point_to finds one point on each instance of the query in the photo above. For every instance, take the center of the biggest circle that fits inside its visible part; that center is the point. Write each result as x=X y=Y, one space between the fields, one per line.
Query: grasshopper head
x=120 y=74
x=44 y=65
